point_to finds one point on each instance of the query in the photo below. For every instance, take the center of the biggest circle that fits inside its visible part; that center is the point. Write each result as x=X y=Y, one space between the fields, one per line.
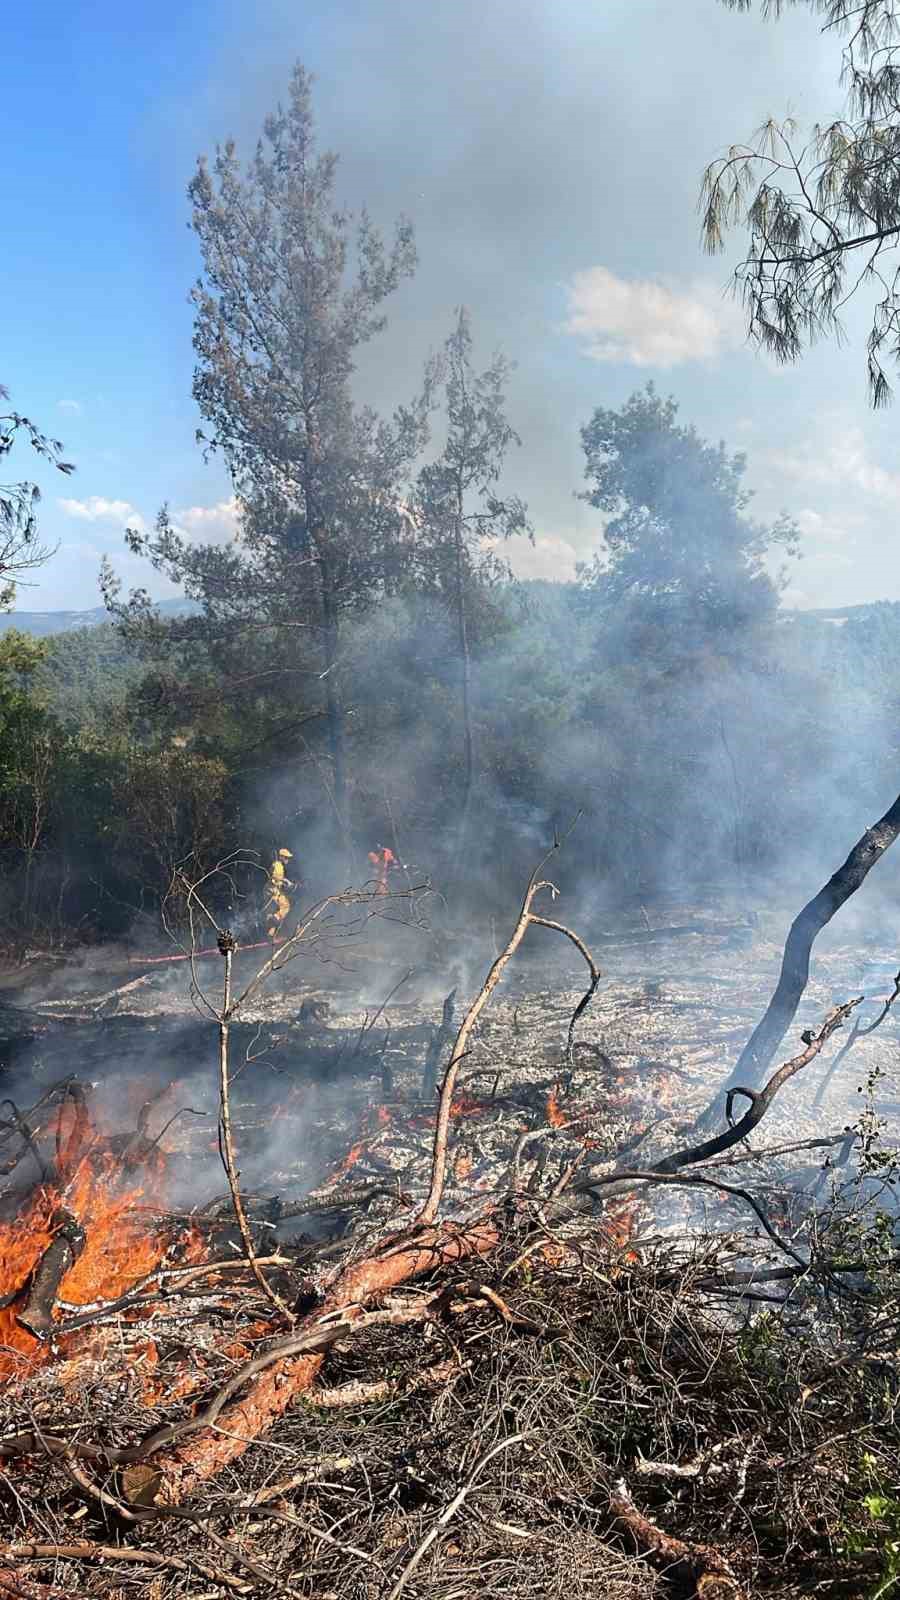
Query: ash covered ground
x=328 y=1078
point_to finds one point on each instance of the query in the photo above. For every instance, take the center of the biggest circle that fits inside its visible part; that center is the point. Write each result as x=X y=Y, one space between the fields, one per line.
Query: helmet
x=286 y=855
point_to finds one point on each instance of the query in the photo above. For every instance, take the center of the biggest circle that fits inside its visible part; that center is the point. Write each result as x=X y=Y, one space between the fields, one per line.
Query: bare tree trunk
x=466 y=674
x=334 y=709
x=766 y=1037
x=454 y=866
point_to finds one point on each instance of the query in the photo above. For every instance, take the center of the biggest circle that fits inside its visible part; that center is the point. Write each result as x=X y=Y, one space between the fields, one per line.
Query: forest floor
x=502 y=1442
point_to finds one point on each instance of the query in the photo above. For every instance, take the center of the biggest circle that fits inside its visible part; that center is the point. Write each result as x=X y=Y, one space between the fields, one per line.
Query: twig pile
x=471 y=1395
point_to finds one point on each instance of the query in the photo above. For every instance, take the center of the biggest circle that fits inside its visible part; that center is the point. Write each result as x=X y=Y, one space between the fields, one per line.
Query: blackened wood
x=57 y=1260
x=440 y=1038
x=759 y=1051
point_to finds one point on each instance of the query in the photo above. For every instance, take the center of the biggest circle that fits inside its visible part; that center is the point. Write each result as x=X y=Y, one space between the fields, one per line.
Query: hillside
x=41 y=624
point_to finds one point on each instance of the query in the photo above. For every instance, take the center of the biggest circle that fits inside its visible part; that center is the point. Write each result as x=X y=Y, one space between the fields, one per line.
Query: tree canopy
x=20 y=549
x=821 y=211
x=679 y=543
x=292 y=288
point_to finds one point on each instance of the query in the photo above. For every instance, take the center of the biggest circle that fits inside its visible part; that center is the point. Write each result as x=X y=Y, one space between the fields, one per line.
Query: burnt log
x=58 y=1259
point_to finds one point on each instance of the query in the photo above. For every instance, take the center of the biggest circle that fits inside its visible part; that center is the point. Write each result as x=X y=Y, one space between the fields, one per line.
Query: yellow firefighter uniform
x=278 y=901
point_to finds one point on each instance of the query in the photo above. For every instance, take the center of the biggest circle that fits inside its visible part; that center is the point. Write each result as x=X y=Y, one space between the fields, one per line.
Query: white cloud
x=838 y=460
x=648 y=322
x=208 y=524
x=70 y=405
x=833 y=533
x=96 y=508
x=550 y=557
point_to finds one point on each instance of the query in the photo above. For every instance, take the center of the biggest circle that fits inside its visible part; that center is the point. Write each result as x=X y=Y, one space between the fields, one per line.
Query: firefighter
x=278 y=900
x=383 y=860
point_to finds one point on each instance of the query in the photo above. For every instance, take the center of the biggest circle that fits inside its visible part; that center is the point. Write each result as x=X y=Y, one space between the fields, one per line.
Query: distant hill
x=43 y=623
x=838 y=614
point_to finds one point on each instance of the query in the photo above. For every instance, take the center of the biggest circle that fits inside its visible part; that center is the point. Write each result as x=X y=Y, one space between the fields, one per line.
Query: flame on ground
x=554 y=1112
x=119 y=1247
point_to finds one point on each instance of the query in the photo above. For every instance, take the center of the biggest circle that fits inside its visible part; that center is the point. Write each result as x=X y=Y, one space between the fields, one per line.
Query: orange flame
x=620 y=1226
x=118 y=1251
x=465 y=1105
x=555 y=1115
x=350 y=1160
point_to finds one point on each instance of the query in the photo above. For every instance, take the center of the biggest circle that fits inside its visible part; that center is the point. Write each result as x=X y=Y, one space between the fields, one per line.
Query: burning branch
x=57 y=1260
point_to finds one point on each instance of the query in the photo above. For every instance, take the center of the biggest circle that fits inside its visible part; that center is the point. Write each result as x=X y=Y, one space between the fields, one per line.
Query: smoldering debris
x=563 y=1356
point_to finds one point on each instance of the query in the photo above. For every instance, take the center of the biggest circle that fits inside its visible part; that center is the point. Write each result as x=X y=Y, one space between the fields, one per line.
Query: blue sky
x=549 y=153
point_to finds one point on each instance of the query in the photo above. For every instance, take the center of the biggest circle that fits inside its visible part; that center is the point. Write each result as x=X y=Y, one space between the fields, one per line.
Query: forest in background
x=124 y=760
x=359 y=668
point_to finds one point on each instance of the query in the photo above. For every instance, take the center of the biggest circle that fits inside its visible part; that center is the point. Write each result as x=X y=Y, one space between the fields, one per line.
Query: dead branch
x=429 y=1211
x=619 y=1181
x=760 y=1099
x=140 y=1295
x=87 y=1550
x=712 y=1575
x=587 y=997
x=226 y=1139
x=358 y=1393
x=782 y=1008
x=857 y=1033
x=526 y=916
x=450 y=1511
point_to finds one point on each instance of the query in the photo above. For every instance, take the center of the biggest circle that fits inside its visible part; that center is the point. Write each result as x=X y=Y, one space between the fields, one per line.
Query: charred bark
x=759 y=1051
x=59 y=1257
x=439 y=1039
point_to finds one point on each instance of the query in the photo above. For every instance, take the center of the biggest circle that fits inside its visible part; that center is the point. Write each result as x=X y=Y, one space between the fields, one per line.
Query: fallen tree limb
x=760 y=1048
x=760 y=1099
x=449 y=1513
x=289 y=1368
x=857 y=1033
x=711 y=1573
